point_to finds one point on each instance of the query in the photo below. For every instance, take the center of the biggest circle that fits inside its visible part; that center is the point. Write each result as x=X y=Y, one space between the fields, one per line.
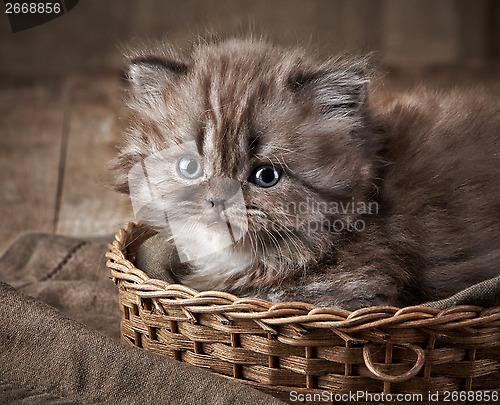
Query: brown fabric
x=158 y=259
x=484 y=294
x=47 y=356
x=67 y=273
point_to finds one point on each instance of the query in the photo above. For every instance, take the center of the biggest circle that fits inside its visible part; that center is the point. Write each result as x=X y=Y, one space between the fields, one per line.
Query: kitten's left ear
x=152 y=74
x=337 y=88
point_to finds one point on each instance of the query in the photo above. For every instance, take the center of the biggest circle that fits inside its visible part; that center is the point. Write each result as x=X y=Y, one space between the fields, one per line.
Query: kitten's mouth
x=216 y=220
x=215 y=215
x=219 y=220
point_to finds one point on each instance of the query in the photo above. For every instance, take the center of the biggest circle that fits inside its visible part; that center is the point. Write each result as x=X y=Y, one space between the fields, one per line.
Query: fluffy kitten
x=284 y=179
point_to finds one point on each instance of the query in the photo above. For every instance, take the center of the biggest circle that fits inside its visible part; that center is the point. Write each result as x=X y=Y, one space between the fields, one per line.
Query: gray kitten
x=273 y=175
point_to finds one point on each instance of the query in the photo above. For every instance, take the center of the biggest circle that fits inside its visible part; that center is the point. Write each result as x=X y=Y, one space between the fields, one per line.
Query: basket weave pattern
x=286 y=347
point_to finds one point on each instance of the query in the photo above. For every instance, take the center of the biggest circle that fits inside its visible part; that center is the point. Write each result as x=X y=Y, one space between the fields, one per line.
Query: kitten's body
x=429 y=162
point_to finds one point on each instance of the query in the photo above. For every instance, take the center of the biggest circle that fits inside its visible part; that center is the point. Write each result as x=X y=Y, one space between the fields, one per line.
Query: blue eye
x=265 y=176
x=190 y=168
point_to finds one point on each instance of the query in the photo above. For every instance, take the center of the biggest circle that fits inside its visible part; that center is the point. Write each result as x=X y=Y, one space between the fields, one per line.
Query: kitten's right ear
x=152 y=74
x=338 y=87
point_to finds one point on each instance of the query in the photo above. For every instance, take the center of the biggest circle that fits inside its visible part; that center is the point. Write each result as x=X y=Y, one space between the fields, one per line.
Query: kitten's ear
x=152 y=74
x=338 y=89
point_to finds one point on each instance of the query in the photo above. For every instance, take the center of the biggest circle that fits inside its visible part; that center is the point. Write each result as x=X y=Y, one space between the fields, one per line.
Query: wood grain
x=87 y=205
x=413 y=32
x=30 y=141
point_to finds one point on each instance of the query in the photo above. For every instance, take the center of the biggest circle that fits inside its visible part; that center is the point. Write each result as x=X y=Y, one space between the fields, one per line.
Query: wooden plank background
x=55 y=143
x=404 y=33
x=30 y=143
x=60 y=93
x=86 y=204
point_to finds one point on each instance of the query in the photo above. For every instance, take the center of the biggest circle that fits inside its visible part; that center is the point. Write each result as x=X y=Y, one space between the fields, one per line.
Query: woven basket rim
x=267 y=314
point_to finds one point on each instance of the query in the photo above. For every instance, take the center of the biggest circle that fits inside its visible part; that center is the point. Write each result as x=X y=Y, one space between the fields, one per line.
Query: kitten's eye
x=190 y=168
x=265 y=176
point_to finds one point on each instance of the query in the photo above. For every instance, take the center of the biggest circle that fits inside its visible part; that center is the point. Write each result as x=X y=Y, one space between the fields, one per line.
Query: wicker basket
x=289 y=349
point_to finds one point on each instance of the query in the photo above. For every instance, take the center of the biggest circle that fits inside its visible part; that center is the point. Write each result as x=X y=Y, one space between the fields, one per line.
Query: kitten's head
x=251 y=140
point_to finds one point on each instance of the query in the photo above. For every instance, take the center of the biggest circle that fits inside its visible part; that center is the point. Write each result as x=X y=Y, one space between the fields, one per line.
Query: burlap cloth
x=485 y=294
x=67 y=352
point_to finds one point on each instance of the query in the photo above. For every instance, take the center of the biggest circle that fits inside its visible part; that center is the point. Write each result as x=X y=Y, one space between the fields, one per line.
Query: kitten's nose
x=221 y=189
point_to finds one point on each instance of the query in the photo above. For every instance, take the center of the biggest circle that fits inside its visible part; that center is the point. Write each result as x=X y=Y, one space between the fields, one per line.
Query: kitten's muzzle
x=226 y=207
x=220 y=190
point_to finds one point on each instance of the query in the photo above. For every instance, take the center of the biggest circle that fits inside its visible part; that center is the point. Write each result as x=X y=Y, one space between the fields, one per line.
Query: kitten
x=279 y=177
